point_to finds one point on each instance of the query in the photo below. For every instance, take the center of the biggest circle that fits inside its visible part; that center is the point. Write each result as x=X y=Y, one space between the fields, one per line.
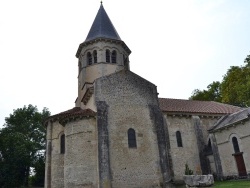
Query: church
x=121 y=135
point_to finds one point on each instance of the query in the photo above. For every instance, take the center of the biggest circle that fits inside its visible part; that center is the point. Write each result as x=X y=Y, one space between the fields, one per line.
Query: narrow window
x=113 y=57
x=62 y=143
x=95 y=56
x=89 y=58
x=178 y=138
x=131 y=138
x=107 y=56
x=235 y=145
x=209 y=149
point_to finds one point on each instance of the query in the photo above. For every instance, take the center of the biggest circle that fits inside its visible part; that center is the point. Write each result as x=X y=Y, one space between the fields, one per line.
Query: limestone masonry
x=121 y=135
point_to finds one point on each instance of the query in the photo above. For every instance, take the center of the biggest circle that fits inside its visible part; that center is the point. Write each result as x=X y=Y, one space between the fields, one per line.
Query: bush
x=188 y=171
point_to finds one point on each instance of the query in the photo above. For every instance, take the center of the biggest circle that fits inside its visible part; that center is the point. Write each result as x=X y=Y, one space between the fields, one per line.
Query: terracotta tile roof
x=197 y=107
x=74 y=112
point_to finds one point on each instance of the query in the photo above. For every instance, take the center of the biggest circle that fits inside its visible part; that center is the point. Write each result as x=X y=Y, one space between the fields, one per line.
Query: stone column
x=201 y=145
x=158 y=123
x=216 y=155
x=103 y=145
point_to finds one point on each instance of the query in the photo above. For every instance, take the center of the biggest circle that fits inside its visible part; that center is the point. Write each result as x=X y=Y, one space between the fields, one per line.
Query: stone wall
x=193 y=141
x=225 y=146
x=57 y=159
x=188 y=154
x=81 y=163
x=80 y=157
x=128 y=97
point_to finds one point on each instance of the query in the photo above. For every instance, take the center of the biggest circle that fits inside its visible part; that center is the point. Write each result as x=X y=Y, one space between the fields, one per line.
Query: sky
x=179 y=45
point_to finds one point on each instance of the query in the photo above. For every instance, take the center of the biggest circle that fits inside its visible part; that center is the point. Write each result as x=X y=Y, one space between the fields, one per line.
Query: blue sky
x=179 y=45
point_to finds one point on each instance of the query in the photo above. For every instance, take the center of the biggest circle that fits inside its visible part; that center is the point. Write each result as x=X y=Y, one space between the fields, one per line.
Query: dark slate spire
x=102 y=27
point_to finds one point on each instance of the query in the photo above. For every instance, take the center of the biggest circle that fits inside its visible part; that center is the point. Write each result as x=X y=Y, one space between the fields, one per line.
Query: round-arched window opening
x=89 y=58
x=107 y=56
x=95 y=56
x=113 y=57
x=235 y=145
x=131 y=138
x=179 y=139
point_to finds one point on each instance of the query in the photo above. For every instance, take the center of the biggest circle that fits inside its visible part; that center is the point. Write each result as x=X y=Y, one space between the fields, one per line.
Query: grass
x=235 y=184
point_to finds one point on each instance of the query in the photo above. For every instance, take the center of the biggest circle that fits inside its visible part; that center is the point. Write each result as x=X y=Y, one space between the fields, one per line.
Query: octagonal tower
x=102 y=53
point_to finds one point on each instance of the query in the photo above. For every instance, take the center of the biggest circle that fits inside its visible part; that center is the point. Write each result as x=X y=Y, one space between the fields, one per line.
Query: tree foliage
x=211 y=94
x=22 y=146
x=234 y=88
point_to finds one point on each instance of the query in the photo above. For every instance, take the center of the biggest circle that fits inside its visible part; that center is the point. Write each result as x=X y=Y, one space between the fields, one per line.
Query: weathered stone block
x=199 y=180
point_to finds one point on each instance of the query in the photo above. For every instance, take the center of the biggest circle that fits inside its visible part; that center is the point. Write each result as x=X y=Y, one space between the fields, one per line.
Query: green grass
x=235 y=184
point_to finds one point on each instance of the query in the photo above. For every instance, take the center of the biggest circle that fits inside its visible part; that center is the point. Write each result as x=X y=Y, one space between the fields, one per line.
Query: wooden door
x=240 y=164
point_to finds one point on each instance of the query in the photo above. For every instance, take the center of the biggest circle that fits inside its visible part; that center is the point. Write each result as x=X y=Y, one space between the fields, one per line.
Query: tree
x=234 y=88
x=213 y=93
x=22 y=145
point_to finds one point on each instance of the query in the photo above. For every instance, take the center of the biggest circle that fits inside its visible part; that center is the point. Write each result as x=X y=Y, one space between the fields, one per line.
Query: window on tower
x=131 y=138
x=89 y=58
x=95 y=56
x=107 y=56
x=113 y=57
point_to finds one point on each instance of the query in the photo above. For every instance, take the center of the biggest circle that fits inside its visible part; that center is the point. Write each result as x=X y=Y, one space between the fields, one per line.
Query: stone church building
x=121 y=135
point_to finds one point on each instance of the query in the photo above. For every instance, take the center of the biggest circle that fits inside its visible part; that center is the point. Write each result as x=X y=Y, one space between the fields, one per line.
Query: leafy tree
x=213 y=93
x=22 y=146
x=234 y=88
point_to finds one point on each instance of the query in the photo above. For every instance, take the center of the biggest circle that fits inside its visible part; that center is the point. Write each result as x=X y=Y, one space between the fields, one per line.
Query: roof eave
x=85 y=43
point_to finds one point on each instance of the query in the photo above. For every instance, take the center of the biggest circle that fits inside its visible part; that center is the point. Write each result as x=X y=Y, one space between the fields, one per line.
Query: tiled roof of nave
x=197 y=107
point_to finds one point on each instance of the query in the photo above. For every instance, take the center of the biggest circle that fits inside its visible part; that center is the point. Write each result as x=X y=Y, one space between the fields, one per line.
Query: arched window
x=113 y=56
x=235 y=145
x=89 y=58
x=131 y=138
x=179 y=139
x=62 y=143
x=208 y=148
x=95 y=56
x=107 y=56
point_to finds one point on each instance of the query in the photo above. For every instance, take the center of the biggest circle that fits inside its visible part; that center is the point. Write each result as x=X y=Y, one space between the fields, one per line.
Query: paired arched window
x=62 y=144
x=107 y=56
x=89 y=58
x=113 y=57
x=131 y=138
x=110 y=57
x=179 y=139
x=235 y=145
x=95 y=56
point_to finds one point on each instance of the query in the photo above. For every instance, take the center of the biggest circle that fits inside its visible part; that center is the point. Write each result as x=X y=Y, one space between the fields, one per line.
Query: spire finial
x=101 y=2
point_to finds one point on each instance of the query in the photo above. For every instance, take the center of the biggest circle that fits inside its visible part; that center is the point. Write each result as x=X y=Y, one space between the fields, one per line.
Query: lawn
x=235 y=184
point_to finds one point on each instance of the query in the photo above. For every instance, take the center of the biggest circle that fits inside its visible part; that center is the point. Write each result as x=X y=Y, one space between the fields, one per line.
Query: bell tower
x=102 y=53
